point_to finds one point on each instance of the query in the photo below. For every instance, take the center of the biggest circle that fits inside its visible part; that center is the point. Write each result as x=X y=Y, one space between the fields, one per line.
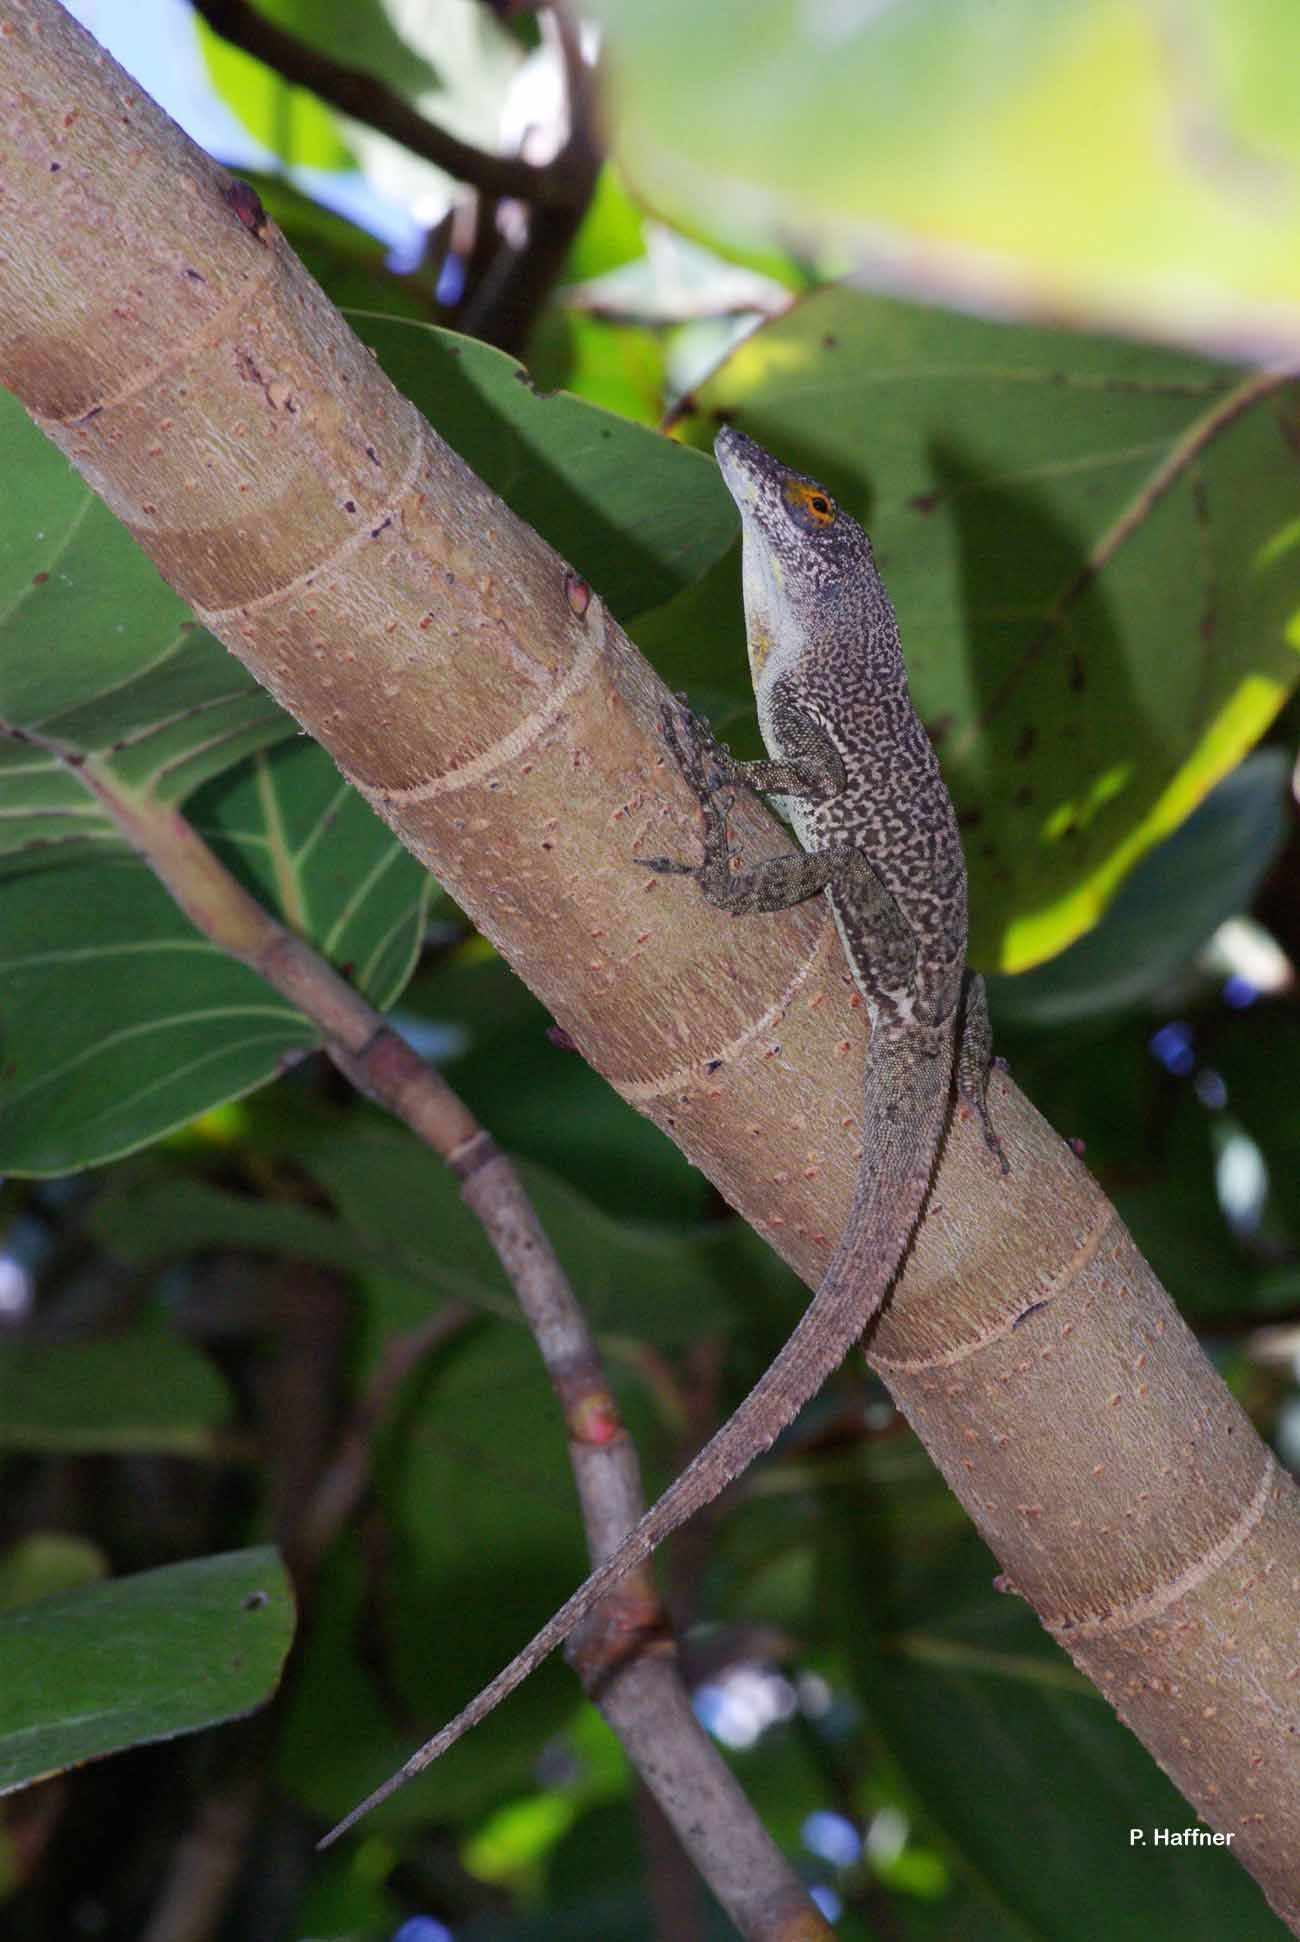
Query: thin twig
x=624 y=1653
x=367 y=99
x=502 y=304
x=344 y=1480
x=208 y=1859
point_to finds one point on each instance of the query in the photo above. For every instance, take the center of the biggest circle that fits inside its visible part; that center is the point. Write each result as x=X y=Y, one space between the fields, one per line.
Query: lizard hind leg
x=975 y=1060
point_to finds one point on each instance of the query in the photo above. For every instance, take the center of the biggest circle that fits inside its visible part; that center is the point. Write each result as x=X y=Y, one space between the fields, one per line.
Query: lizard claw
x=705 y=764
x=667 y=866
x=991 y=1139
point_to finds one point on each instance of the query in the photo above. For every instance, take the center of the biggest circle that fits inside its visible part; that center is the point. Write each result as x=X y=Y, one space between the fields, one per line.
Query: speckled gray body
x=827 y=664
x=851 y=765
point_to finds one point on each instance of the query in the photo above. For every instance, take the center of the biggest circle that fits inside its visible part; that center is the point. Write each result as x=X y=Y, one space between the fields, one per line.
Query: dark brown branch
x=504 y=294
x=367 y=99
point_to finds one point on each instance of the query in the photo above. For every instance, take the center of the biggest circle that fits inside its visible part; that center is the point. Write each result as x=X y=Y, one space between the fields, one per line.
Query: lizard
x=852 y=768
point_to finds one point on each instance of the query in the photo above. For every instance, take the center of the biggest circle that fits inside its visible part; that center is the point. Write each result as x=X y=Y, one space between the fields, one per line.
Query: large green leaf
x=1171 y=905
x=400 y=1218
x=99 y=656
x=140 y=1658
x=638 y=515
x=1095 y=555
x=1104 y=161
x=122 y=1022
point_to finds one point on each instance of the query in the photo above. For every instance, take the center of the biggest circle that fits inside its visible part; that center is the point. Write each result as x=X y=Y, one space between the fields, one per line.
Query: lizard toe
x=666 y=866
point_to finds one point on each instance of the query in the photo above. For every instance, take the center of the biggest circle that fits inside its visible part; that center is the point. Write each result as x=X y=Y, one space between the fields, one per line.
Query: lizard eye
x=811 y=507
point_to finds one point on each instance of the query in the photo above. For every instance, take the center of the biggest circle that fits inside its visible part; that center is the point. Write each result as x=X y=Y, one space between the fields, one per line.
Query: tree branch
x=367 y=99
x=503 y=304
x=625 y=1653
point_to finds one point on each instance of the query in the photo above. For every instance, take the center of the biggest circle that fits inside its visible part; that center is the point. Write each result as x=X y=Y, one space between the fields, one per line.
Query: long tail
x=907 y=1096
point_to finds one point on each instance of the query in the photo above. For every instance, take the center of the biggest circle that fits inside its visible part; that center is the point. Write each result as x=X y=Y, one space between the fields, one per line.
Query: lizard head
x=807 y=564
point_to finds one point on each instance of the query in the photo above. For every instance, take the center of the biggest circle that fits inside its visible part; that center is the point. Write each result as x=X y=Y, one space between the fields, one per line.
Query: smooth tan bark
x=202 y=383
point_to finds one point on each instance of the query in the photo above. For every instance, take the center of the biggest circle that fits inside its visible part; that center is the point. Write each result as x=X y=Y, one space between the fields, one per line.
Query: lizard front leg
x=708 y=766
x=781 y=881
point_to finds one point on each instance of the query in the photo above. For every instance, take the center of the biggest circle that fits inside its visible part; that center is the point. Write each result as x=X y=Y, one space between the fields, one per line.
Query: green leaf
x=143 y=1389
x=637 y=515
x=291 y=122
x=138 y=1659
x=123 y=1023
x=401 y=1216
x=99 y=657
x=1101 y=161
x=1095 y=556
x=1171 y=905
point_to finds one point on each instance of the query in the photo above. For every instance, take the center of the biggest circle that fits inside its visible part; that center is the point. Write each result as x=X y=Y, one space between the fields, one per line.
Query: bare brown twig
x=625 y=1654
x=506 y=282
x=367 y=99
x=503 y=303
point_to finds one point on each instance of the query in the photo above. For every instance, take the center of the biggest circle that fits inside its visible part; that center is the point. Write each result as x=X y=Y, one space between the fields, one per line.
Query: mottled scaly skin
x=852 y=767
x=893 y=808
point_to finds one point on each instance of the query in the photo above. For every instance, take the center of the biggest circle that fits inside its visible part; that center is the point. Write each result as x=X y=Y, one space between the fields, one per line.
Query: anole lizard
x=853 y=769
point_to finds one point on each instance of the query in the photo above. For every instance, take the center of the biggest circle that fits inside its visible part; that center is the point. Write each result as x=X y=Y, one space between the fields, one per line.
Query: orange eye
x=817 y=507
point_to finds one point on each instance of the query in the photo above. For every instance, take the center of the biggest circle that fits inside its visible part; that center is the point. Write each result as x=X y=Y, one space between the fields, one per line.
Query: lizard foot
x=705 y=764
x=667 y=866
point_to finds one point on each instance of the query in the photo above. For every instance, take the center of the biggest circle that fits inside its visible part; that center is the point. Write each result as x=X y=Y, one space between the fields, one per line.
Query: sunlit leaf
x=1103 y=161
x=1175 y=899
x=1094 y=552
